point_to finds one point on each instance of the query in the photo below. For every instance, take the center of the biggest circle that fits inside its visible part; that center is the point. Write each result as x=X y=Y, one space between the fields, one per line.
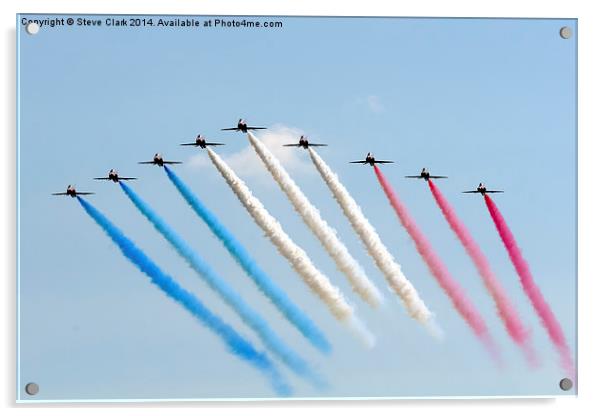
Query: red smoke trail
x=526 y=279
x=438 y=269
x=505 y=308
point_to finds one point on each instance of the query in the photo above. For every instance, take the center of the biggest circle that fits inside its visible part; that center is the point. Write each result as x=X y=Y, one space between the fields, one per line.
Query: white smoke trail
x=372 y=242
x=296 y=256
x=324 y=232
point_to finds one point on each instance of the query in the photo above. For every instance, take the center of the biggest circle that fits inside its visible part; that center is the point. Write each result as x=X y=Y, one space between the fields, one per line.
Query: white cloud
x=247 y=164
x=374 y=104
x=198 y=161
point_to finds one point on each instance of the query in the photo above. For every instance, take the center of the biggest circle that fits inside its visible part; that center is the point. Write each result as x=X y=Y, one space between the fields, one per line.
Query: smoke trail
x=327 y=236
x=452 y=289
x=280 y=299
x=298 y=259
x=526 y=279
x=235 y=343
x=504 y=306
x=372 y=242
x=227 y=293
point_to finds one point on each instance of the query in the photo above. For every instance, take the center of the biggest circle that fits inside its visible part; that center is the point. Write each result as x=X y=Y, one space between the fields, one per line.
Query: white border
x=589 y=200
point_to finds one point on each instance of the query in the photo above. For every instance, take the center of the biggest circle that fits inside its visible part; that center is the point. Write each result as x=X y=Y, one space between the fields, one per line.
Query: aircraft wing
x=414 y=176
x=230 y=128
x=494 y=192
x=359 y=161
x=167 y=162
x=317 y=144
x=471 y=192
x=84 y=193
x=438 y=177
x=147 y=163
x=292 y=145
x=188 y=144
x=214 y=144
x=256 y=128
x=102 y=179
x=60 y=193
x=126 y=179
x=383 y=161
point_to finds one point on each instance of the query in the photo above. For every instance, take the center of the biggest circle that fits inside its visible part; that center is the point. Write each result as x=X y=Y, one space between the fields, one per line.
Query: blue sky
x=477 y=100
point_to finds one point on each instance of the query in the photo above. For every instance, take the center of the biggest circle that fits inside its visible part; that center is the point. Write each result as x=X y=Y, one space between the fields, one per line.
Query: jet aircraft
x=242 y=126
x=304 y=143
x=371 y=160
x=425 y=174
x=201 y=142
x=158 y=160
x=72 y=192
x=114 y=176
x=482 y=189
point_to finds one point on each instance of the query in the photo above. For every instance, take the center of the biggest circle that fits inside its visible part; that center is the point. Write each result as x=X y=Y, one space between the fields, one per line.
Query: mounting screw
x=32 y=389
x=566 y=384
x=32 y=28
x=565 y=32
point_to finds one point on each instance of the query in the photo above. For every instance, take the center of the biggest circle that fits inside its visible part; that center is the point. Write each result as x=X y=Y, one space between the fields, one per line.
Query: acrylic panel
x=199 y=256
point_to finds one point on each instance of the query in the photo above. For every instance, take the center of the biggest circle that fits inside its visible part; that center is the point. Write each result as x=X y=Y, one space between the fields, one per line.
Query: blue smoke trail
x=235 y=343
x=280 y=299
x=243 y=309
